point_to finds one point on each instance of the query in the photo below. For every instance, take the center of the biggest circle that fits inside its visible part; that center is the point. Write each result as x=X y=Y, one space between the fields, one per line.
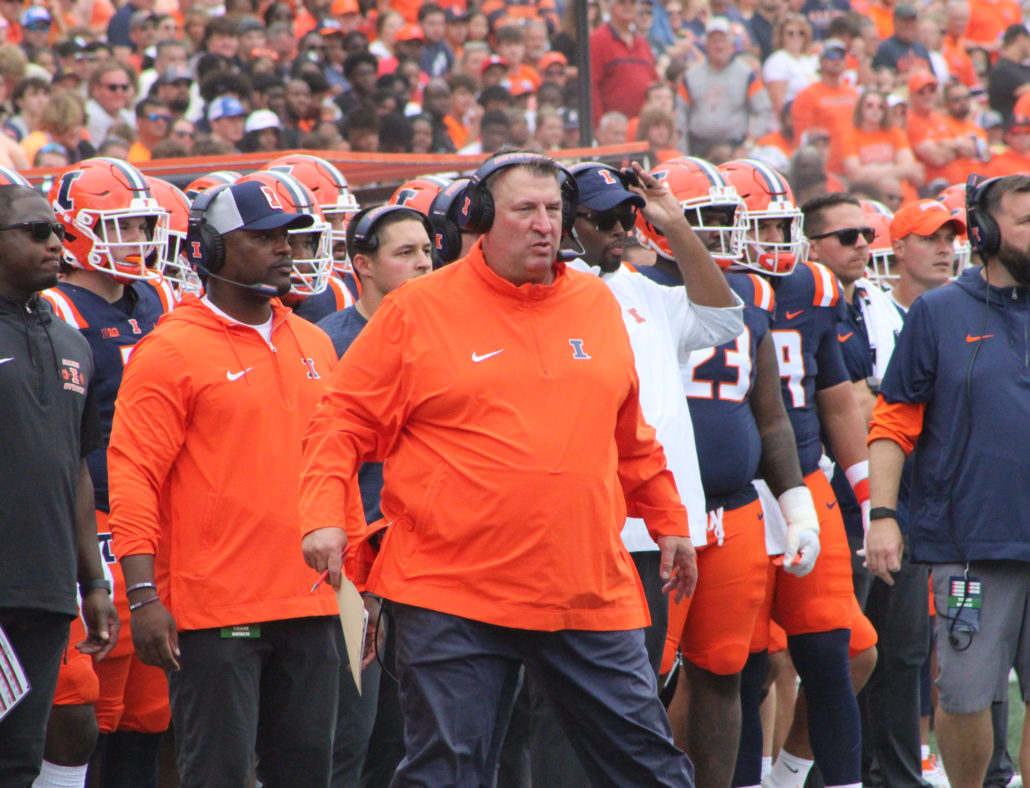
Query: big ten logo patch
x=71 y=374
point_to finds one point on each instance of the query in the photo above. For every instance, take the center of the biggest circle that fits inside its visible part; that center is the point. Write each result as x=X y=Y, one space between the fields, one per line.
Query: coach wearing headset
x=957 y=396
x=501 y=393
x=203 y=461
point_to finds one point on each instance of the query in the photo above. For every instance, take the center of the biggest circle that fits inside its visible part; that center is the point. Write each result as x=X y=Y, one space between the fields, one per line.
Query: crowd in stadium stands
x=776 y=253
x=770 y=79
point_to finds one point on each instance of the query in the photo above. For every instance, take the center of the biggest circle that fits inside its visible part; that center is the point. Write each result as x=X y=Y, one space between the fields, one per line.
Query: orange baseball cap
x=920 y=80
x=551 y=59
x=340 y=7
x=924 y=217
x=410 y=33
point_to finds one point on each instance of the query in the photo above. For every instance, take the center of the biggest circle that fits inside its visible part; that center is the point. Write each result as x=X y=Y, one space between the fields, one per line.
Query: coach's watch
x=873 y=383
x=92 y=585
x=880 y=512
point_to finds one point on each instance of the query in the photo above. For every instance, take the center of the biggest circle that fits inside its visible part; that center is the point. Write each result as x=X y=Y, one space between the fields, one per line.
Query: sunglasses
x=834 y=54
x=605 y=222
x=184 y=134
x=40 y=231
x=39 y=27
x=849 y=235
x=115 y=87
x=155 y=116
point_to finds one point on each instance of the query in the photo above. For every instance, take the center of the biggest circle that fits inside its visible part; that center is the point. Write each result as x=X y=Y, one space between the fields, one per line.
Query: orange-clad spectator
x=153 y=123
x=622 y=64
x=875 y=149
x=554 y=67
x=1016 y=158
x=348 y=14
x=518 y=11
x=882 y=13
x=953 y=47
x=462 y=122
x=511 y=48
x=783 y=138
x=657 y=128
x=660 y=94
x=827 y=104
x=988 y=20
x=63 y=121
x=11 y=11
x=308 y=14
x=958 y=110
x=930 y=133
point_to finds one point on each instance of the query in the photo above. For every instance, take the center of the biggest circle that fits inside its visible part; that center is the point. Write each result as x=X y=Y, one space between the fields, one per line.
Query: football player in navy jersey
x=819 y=611
x=741 y=425
x=115 y=231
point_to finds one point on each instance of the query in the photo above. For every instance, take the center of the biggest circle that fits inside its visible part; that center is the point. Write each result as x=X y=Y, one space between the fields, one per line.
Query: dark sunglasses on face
x=40 y=231
x=849 y=235
x=157 y=116
x=604 y=222
x=113 y=88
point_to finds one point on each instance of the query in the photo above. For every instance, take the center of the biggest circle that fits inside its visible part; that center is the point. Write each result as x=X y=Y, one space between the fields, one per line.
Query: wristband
x=883 y=512
x=142 y=602
x=88 y=586
x=858 y=478
x=140 y=586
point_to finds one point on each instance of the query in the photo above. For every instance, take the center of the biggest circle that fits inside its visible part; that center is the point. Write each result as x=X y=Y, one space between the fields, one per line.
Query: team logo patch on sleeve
x=71 y=374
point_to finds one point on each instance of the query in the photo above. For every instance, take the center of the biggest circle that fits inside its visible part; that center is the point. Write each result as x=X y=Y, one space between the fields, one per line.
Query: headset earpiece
x=204 y=247
x=983 y=230
x=364 y=238
x=477 y=205
x=446 y=233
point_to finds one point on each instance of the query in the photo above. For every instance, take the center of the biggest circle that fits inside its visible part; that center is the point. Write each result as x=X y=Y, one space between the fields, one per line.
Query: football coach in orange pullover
x=204 y=460
x=502 y=395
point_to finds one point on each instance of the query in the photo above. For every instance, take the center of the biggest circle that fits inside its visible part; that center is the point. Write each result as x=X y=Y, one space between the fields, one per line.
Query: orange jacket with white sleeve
x=509 y=422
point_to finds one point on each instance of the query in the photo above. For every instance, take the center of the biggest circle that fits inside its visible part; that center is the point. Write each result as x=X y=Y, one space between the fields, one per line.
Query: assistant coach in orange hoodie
x=502 y=395
x=204 y=459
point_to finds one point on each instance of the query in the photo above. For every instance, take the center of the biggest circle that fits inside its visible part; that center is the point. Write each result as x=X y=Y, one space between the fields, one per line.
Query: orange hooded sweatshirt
x=204 y=463
x=510 y=426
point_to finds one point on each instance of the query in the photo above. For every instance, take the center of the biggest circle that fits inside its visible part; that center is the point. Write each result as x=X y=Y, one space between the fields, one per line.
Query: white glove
x=802 y=531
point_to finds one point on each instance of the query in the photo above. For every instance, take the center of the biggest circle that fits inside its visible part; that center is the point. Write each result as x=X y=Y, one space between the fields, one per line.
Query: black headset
x=364 y=239
x=204 y=245
x=477 y=206
x=443 y=215
x=983 y=230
